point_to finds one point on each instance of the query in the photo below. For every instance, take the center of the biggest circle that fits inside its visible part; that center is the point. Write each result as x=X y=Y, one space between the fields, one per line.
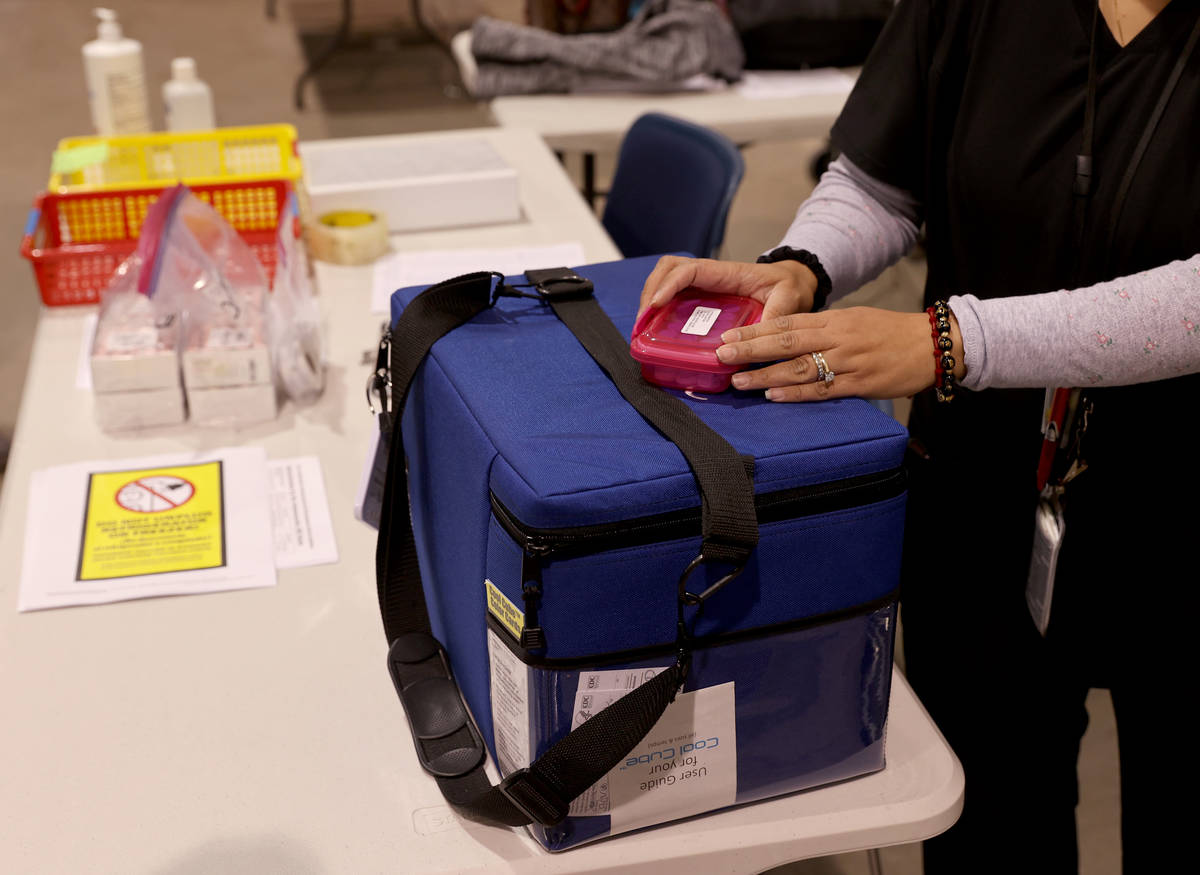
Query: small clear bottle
x=188 y=100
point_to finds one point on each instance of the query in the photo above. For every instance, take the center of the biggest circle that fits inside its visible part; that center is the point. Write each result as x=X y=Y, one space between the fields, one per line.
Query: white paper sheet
x=97 y=531
x=768 y=84
x=402 y=269
x=510 y=706
x=300 y=513
x=686 y=764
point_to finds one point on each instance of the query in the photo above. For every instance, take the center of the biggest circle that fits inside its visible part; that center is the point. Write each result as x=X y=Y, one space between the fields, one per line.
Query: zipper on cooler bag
x=532 y=636
x=771 y=507
x=538 y=544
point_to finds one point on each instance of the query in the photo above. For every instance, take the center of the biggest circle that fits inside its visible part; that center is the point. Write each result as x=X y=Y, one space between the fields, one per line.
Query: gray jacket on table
x=668 y=42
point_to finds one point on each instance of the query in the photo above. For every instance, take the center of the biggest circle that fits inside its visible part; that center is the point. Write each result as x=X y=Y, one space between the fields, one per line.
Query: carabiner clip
x=688 y=599
x=693 y=599
x=379 y=382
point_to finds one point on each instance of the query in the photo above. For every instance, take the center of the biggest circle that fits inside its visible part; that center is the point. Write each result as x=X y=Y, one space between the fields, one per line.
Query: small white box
x=229 y=348
x=120 y=411
x=436 y=183
x=129 y=353
x=232 y=405
x=223 y=355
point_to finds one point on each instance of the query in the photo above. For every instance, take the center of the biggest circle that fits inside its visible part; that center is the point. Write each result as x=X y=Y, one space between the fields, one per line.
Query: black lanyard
x=1069 y=412
x=1083 y=161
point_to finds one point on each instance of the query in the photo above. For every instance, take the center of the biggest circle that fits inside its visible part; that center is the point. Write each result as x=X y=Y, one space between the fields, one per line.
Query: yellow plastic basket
x=195 y=158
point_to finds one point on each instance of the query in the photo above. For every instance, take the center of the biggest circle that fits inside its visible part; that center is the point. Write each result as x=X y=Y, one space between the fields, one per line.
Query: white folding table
x=594 y=124
x=257 y=731
x=597 y=122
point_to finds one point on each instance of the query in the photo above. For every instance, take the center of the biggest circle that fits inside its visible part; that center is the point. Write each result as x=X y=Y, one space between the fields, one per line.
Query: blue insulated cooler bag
x=654 y=605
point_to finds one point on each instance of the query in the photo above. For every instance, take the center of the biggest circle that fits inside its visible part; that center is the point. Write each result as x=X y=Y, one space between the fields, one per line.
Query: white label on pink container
x=701 y=321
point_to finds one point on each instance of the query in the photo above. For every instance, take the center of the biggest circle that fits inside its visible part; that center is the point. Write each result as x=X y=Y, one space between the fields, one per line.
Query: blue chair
x=672 y=188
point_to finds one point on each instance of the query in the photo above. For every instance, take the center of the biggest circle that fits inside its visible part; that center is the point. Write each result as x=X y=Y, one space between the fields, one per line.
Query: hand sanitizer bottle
x=116 y=80
x=189 y=101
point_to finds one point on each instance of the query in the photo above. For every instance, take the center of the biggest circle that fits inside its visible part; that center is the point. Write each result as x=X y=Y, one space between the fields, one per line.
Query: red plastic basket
x=77 y=241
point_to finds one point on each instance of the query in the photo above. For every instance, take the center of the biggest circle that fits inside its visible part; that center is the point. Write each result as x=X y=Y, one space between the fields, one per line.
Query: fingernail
x=724 y=353
x=731 y=335
x=772 y=394
x=740 y=380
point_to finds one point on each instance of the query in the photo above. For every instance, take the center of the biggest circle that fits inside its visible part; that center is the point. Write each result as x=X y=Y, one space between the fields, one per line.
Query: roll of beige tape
x=347 y=237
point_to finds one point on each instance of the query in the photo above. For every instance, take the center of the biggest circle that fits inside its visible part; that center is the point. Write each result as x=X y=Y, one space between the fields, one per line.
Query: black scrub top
x=977 y=108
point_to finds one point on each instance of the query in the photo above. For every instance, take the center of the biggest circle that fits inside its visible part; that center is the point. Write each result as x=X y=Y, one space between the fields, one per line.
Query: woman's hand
x=873 y=353
x=783 y=287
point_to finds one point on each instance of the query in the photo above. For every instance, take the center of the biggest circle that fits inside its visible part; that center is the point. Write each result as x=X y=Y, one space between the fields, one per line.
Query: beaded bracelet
x=943 y=344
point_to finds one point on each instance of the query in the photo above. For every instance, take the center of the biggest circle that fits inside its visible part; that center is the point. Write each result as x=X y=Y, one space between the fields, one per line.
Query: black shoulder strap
x=448 y=744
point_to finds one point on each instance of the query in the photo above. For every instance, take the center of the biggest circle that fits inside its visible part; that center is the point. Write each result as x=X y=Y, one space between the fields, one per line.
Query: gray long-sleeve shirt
x=1133 y=329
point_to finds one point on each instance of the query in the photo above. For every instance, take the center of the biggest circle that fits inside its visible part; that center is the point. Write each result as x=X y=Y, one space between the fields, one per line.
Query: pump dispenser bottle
x=116 y=80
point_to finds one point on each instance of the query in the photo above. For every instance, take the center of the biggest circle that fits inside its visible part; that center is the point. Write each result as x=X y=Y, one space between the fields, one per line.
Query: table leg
x=326 y=53
x=875 y=861
x=589 y=178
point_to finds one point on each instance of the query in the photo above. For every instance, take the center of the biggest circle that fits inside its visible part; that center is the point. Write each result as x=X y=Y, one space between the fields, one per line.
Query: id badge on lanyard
x=1064 y=420
x=1049 y=528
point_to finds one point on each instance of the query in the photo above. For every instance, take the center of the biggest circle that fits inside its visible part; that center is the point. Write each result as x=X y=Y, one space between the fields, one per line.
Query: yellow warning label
x=152 y=521
x=502 y=608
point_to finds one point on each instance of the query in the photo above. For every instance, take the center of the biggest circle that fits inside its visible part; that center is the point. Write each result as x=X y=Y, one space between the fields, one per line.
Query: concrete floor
x=381 y=86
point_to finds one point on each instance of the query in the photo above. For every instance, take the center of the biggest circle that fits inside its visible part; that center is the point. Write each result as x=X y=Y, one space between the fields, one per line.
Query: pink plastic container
x=677 y=343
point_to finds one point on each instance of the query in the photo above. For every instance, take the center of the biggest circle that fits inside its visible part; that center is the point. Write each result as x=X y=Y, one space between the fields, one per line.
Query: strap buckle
x=1083 y=175
x=534 y=797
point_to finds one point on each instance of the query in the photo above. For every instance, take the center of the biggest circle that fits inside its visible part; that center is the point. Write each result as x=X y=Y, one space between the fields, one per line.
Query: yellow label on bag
x=502 y=608
x=152 y=521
